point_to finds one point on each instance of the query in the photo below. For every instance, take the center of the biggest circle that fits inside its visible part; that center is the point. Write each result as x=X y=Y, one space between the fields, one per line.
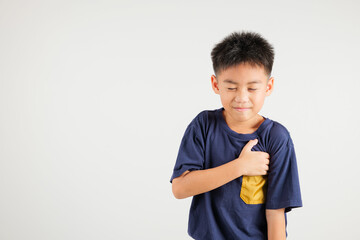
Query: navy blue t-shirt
x=236 y=210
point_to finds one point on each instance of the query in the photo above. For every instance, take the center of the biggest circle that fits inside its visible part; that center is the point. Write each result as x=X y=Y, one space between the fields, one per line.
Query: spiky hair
x=242 y=47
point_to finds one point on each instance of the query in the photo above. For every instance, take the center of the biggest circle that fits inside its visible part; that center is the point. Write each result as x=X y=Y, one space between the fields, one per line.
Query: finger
x=263 y=154
x=267 y=161
x=250 y=144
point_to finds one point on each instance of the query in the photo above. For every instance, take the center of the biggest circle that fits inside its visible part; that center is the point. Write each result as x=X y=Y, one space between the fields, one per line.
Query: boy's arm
x=195 y=182
x=276 y=224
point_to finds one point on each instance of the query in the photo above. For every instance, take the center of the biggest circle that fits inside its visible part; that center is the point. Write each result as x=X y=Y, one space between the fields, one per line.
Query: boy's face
x=242 y=89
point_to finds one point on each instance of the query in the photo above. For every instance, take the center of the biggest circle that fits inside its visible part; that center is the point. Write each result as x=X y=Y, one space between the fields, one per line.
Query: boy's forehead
x=243 y=73
x=237 y=82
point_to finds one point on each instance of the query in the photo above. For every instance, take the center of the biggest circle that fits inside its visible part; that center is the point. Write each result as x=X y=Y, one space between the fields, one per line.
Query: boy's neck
x=248 y=127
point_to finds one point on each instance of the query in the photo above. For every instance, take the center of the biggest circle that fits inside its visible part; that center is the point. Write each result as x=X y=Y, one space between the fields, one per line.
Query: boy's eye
x=250 y=89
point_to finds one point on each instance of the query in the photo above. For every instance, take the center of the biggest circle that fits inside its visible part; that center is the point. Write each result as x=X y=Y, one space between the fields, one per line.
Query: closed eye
x=250 y=89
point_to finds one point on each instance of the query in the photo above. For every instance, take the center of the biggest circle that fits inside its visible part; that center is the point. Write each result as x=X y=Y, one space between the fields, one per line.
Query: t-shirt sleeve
x=191 y=153
x=283 y=179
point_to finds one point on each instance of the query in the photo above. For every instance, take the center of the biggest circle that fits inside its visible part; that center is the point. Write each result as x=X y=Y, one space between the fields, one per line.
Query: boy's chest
x=223 y=148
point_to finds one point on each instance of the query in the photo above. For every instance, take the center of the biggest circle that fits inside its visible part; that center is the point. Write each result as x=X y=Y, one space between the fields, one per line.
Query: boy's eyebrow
x=255 y=81
x=230 y=81
x=233 y=82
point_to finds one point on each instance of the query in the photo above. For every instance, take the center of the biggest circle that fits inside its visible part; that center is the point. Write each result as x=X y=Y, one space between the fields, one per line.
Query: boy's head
x=244 y=47
x=242 y=64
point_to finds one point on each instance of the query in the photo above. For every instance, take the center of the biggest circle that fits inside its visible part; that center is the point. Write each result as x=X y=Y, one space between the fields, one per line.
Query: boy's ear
x=214 y=84
x=269 y=86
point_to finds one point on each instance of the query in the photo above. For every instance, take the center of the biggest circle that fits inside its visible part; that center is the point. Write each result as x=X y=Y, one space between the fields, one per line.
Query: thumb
x=250 y=144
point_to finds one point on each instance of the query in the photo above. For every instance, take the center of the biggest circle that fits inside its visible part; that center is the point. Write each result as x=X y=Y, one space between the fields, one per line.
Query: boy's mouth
x=241 y=109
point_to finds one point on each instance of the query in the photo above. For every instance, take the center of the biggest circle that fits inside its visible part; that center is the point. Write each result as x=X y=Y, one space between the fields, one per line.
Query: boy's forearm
x=276 y=224
x=201 y=181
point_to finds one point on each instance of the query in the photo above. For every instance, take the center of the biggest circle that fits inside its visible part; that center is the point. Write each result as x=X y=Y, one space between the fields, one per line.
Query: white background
x=95 y=97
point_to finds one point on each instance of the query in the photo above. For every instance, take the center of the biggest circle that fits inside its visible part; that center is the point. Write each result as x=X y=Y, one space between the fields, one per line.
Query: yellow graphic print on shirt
x=253 y=189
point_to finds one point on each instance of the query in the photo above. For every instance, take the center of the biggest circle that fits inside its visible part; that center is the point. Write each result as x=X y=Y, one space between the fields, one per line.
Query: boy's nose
x=241 y=97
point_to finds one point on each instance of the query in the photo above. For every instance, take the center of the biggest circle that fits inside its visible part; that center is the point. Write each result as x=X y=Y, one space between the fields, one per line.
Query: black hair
x=242 y=47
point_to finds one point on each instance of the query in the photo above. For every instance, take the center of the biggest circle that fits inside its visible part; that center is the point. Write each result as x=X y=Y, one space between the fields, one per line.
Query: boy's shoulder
x=279 y=131
x=203 y=122
x=204 y=117
x=278 y=136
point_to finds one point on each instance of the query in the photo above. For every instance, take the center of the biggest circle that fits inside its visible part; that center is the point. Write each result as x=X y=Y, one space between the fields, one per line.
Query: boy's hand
x=253 y=163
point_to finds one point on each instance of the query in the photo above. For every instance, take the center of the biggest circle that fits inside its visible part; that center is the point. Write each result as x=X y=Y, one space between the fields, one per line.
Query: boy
x=238 y=193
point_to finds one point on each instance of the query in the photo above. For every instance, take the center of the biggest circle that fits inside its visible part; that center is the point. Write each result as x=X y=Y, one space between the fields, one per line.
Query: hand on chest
x=225 y=149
